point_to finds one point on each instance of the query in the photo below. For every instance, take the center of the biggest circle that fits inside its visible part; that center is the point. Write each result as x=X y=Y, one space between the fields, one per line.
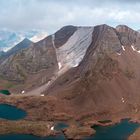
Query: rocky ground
x=39 y=128
x=135 y=135
x=74 y=132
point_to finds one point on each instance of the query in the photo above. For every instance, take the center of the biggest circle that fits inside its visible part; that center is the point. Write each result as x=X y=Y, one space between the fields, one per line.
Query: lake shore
x=39 y=128
x=40 y=118
x=48 y=110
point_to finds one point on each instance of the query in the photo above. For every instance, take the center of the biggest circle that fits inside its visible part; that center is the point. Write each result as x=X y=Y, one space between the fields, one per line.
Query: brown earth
x=135 y=135
x=77 y=133
x=39 y=128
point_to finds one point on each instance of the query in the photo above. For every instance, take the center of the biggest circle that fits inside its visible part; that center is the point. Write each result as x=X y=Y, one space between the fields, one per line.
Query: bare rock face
x=62 y=36
x=104 y=82
x=72 y=52
x=128 y=36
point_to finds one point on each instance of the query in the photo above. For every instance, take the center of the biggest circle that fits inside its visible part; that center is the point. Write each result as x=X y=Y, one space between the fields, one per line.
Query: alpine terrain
x=85 y=74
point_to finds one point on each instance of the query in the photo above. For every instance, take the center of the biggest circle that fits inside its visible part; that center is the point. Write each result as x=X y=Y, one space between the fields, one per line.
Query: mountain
x=9 y=38
x=95 y=70
x=1 y=53
x=25 y=43
x=36 y=65
x=107 y=78
x=32 y=66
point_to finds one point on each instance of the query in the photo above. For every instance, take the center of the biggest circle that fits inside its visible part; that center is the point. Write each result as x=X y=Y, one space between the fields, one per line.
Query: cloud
x=51 y=15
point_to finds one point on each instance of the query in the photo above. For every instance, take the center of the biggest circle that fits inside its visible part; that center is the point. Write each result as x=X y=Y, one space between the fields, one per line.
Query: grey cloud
x=51 y=15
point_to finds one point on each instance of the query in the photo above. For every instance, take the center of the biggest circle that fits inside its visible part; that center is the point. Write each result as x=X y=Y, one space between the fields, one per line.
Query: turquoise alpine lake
x=11 y=112
x=59 y=126
x=30 y=137
x=120 y=131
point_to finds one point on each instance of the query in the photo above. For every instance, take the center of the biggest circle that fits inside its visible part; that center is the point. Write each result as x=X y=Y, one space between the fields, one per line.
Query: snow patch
x=23 y=91
x=122 y=99
x=123 y=48
x=118 y=53
x=52 y=128
x=134 y=49
x=59 y=65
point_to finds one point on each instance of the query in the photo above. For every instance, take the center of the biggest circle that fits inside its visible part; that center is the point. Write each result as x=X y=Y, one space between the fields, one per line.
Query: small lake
x=60 y=125
x=120 y=131
x=5 y=92
x=11 y=112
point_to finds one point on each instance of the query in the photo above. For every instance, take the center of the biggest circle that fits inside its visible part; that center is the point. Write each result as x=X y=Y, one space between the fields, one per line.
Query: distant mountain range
x=9 y=39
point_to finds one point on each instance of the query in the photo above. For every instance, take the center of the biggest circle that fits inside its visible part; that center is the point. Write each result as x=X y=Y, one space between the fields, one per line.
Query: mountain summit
x=9 y=38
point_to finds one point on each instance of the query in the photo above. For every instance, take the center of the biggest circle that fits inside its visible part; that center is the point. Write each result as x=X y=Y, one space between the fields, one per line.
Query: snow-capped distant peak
x=38 y=37
x=10 y=38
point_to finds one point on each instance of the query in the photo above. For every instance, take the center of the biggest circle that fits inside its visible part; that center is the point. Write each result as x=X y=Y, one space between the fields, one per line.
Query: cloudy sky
x=50 y=15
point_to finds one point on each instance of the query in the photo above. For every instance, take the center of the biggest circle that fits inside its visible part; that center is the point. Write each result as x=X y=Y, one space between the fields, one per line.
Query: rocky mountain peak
x=25 y=40
x=123 y=28
x=127 y=35
x=25 y=43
